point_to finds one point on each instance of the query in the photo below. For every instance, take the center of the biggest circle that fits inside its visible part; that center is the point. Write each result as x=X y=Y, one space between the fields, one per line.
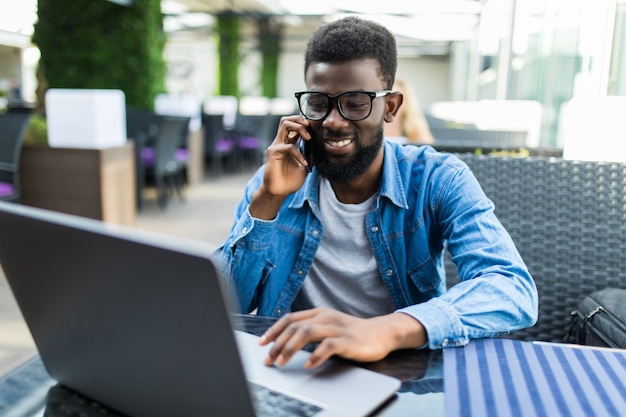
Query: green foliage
x=100 y=45
x=37 y=131
x=228 y=27
x=228 y=30
x=269 y=44
x=519 y=153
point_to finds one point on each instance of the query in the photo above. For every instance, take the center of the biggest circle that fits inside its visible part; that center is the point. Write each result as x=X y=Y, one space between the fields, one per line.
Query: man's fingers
x=327 y=348
x=295 y=337
x=296 y=330
x=278 y=327
x=294 y=127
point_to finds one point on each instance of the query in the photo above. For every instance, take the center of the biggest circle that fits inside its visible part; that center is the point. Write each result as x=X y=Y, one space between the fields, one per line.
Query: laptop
x=142 y=323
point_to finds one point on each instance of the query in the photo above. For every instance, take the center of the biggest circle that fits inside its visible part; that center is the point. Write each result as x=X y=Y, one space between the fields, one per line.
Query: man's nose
x=334 y=120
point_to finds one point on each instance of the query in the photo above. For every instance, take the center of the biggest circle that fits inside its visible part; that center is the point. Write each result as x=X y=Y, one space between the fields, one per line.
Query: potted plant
x=37 y=131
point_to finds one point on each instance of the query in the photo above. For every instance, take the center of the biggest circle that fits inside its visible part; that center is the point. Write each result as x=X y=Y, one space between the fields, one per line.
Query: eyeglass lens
x=352 y=105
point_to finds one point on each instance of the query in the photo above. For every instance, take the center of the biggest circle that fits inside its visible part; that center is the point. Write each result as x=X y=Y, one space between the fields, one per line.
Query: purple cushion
x=6 y=189
x=249 y=142
x=147 y=156
x=182 y=155
x=224 y=145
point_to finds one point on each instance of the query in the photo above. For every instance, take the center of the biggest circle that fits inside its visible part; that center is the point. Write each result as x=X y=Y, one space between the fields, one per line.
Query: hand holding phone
x=304 y=146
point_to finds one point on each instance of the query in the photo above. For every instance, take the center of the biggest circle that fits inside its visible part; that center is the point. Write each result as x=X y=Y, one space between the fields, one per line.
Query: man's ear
x=392 y=105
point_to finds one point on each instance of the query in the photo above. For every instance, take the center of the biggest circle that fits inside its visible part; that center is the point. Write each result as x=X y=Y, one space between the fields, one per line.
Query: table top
x=28 y=390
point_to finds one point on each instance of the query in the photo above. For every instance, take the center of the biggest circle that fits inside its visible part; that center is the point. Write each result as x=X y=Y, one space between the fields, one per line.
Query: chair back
x=568 y=221
x=219 y=143
x=141 y=126
x=168 y=140
x=226 y=106
x=12 y=129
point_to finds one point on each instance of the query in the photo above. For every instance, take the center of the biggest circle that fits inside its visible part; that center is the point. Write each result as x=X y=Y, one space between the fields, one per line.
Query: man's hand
x=285 y=168
x=364 y=340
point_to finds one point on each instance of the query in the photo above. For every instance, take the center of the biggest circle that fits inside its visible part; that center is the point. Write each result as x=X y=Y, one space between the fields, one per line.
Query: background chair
x=12 y=129
x=257 y=125
x=190 y=151
x=225 y=106
x=182 y=153
x=219 y=144
x=568 y=221
x=219 y=115
x=142 y=127
x=252 y=139
x=162 y=165
x=253 y=125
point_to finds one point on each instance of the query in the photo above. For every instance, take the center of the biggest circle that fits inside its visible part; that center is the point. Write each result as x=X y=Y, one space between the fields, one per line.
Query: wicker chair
x=568 y=220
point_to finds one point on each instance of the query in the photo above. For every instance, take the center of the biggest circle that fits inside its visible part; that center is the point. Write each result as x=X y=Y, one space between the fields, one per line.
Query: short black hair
x=353 y=38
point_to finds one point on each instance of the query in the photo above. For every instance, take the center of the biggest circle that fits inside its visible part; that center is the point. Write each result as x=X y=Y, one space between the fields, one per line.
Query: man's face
x=342 y=149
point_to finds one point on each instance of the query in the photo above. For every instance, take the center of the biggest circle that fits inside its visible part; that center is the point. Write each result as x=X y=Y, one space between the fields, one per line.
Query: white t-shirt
x=344 y=274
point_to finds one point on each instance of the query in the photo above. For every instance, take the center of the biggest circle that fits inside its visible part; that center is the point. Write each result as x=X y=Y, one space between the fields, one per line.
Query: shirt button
x=279 y=311
x=315 y=232
x=389 y=272
x=374 y=228
x=244 y=230
x=445 y=342
x=300 y=272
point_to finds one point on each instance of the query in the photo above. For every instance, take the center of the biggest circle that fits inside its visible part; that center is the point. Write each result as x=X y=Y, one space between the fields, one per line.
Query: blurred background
x=525 y=77
x=546 y=51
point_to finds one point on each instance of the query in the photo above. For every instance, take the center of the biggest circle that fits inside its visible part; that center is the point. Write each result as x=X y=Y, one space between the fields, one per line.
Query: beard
x=345 y=171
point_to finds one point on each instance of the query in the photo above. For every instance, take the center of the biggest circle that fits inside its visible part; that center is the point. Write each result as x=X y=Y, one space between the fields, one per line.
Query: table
x=28 y=390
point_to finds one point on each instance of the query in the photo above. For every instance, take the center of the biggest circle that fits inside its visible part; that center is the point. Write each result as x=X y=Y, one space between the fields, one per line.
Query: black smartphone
x=305 y=147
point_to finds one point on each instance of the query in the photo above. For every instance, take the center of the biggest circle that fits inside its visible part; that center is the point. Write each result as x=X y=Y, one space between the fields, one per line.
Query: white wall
x=428 y=76
x=192 y=67
x=10 y=65
x=291 y=74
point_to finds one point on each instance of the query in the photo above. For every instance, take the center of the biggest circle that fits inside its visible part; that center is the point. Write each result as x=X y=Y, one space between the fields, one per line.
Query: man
x=350 y=255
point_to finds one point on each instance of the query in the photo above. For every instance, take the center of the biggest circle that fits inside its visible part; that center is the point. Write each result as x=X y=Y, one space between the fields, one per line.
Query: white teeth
x=340 y=143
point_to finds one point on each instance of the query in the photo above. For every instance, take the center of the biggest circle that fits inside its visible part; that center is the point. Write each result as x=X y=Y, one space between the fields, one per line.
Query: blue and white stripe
x=502 y=377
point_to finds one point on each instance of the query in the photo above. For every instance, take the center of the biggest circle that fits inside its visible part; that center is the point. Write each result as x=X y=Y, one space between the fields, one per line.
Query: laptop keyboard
x=269 y=403
x=62 y=402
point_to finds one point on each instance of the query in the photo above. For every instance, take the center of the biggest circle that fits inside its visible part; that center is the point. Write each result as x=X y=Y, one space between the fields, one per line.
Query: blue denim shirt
x=425 y=199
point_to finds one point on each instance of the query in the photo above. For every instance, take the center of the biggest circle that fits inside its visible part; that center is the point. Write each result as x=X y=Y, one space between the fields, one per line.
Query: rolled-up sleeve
x=496 y=295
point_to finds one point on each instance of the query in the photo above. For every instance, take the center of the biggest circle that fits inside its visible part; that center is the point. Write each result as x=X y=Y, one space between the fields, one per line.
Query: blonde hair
x=413 y=123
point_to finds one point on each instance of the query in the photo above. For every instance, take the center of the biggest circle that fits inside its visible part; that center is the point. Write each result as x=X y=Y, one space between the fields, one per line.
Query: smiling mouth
x=339 y=143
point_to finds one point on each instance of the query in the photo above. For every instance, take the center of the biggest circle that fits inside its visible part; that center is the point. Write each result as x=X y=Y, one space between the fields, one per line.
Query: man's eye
x=317 y=104
x=355 y=104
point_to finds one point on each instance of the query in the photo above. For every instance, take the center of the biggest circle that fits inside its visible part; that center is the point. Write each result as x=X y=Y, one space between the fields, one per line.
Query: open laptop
x=141 y=323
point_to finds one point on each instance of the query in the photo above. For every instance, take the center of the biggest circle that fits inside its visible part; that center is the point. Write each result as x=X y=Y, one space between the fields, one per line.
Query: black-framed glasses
x=353 y=105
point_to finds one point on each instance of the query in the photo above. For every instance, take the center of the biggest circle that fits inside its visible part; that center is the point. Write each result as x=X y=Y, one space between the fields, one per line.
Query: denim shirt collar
x=308 y=192
x=391 y=187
